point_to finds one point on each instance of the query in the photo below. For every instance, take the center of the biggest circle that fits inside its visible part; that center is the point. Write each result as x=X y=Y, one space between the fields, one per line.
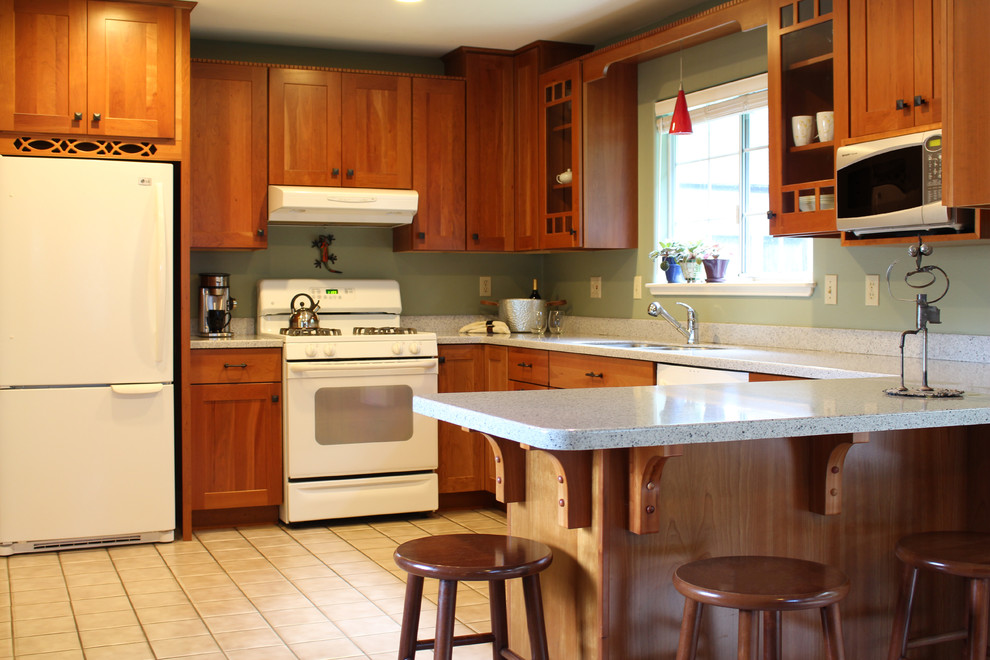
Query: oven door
x=353 y=418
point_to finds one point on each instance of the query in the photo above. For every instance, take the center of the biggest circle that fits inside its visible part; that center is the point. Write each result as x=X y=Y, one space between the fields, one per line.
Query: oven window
x=357 y=415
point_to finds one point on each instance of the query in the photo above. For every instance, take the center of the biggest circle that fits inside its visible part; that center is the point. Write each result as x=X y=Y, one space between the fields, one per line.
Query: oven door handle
x=378 y=367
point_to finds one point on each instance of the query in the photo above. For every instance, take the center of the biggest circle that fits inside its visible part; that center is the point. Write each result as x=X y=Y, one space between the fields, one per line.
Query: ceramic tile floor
x=252 y=593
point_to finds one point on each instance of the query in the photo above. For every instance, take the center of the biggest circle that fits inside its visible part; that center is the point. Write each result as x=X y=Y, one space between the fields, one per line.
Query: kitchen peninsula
x=625 y=484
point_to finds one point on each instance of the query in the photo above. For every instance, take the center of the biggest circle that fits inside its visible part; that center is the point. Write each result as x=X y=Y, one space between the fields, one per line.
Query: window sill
x=755 y=289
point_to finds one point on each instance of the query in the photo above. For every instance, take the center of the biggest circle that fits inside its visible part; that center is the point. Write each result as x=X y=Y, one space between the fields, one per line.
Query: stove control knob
x=396 y=348
x=311 y=351
x=414 y=348
x=329 y=349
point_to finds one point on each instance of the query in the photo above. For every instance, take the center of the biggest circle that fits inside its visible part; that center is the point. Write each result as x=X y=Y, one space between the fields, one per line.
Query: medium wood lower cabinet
x=236 y=412
x=461 y=456
x=570 y=370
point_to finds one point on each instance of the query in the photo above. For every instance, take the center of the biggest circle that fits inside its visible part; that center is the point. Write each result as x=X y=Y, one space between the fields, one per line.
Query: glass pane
x=724 y=135
x=359 y=415
x=693 y=147
x=758 y=191
x=824 y=7
x=759 y=127
x=805 y=10
x=723 y=201
x=787 y=16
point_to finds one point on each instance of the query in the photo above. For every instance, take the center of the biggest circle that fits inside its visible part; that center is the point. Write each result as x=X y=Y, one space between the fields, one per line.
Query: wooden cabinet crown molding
x=303 y=67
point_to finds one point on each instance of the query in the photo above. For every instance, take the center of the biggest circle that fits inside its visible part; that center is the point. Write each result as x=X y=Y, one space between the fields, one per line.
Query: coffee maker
x=215 y=305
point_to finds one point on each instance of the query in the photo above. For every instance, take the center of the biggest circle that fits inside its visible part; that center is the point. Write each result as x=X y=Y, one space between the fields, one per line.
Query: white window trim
x=739 y=288
x=769 y=289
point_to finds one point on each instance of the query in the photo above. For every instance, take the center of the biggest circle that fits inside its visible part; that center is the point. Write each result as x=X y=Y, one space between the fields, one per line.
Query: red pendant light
x=680 y=122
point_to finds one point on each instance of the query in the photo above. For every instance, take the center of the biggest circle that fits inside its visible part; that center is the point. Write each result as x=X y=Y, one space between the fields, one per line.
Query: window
x=714 y=184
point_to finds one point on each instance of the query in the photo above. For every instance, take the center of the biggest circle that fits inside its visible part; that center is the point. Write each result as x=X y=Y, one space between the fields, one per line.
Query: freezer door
x=85 y=271
x=86 y=462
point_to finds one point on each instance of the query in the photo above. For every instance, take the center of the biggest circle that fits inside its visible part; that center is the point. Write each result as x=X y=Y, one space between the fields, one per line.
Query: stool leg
x=445 y=620
x=979 y=611
x=533 y=595
x=902 y=613
x=771 y=635
x=500 y=627
x=687 y=645
x=747 y=640
x=832 y=630
x=410 y=617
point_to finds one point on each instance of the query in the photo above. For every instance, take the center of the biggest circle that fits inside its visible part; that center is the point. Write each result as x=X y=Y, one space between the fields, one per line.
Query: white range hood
x=369 y=207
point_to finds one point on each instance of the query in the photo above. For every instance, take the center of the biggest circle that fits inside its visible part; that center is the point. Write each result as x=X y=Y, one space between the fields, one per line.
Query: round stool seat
x=472 y=557
x=964 y=554
x=761 y=583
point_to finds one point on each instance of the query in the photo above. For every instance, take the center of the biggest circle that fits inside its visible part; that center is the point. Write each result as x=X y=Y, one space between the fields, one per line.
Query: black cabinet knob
x=335 y=171
x=77 y=116
x=350 y=174
x=421 y=235
x=771 y=215
x=901 y=104
x=274 y=398
x=919 y=100
x=474 y=237
x=261 y=231
x=97 y=116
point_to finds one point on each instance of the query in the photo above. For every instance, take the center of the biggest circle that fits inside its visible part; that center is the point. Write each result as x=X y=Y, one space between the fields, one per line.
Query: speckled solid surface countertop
x=607 y=418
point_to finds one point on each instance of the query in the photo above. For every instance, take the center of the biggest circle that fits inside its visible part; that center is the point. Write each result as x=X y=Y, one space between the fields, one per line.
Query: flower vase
x=715 y=269
x=673 y=271
x=692 y=271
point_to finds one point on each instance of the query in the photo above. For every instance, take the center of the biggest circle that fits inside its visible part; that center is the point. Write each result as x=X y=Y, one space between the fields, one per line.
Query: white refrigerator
x=87 y=422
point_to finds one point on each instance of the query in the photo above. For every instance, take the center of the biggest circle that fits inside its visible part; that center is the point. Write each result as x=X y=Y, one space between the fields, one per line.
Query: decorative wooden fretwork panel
x=84 y=147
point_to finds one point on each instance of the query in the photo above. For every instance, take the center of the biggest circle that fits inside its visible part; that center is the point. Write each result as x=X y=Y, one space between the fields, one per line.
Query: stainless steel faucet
x=655 y=309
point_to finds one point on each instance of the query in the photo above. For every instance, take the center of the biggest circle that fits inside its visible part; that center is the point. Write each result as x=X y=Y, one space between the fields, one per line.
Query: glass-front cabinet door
x=560 y=135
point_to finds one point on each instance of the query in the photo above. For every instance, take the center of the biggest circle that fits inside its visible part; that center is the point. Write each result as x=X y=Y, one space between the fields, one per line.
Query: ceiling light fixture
x=680 y=122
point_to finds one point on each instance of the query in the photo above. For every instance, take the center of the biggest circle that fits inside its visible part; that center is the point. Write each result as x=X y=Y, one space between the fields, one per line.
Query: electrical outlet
x=637 y=287
x=831 y=289
x=485 y=288
x=596 y=287
x=872 y=290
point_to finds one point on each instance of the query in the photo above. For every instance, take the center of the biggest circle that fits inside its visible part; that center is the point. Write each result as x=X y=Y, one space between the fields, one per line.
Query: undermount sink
x=649 y=346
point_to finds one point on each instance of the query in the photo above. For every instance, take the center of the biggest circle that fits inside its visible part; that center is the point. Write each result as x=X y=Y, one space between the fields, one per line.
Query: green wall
x=448 y=283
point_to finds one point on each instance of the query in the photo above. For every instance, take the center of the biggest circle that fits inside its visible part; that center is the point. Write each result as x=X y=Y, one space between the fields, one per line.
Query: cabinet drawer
x=235 y=365
x=528 y=366
x=568 y=370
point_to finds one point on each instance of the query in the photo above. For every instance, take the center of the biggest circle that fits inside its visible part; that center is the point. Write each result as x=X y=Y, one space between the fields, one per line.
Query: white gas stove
x=352 y=445
x=358 y=319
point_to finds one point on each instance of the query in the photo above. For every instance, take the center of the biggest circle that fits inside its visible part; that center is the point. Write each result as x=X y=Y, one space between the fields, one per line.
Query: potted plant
x=692 y=261
x=715 y=266
x=671 y=256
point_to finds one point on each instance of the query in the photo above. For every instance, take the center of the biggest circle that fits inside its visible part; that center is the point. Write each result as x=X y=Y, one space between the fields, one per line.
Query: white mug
x=565 y=177
x=801 y=128
x=826 y=125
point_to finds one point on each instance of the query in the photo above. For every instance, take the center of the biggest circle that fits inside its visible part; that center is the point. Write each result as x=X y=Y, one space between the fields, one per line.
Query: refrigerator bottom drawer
x=86 y=462
x=365 y=496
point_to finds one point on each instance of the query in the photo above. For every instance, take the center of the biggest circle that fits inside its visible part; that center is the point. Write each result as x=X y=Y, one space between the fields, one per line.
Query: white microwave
x=890 y=185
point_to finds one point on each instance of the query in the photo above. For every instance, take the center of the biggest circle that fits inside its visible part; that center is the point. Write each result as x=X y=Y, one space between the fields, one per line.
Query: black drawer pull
x=242 y=365
x=524 y=365
x=592 y=374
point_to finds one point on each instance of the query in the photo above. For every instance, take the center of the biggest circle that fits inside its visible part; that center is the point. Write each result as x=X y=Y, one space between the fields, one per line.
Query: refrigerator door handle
x=158 y=261
x=137 y=389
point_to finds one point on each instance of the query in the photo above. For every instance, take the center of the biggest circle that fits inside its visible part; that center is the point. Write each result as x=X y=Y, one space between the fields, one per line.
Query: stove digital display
x=331 y=292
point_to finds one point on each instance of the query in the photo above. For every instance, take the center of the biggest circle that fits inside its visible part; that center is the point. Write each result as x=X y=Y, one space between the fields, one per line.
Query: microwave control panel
x=932 y=154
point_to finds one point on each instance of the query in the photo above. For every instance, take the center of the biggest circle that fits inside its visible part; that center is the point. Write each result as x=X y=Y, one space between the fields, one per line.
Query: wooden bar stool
x=451 y=558
x=963 y=554
x=768 y=585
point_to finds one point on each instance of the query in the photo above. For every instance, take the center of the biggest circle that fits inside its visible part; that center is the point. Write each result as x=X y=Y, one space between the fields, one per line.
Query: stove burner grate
x=309 y=332
x=386 y=330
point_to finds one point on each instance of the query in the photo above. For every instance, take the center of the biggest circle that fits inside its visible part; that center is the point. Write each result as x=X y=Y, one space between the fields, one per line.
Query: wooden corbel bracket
x=828 y=456
x=510 y=469
x=645 y=466
x=573 y=476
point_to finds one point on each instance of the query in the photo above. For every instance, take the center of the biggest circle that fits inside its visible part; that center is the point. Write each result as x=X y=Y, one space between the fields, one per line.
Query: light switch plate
x=831 y=289
x=637 y=287
x=596 y=287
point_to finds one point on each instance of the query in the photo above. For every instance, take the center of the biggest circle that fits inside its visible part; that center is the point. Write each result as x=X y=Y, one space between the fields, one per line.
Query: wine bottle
x=536 y=294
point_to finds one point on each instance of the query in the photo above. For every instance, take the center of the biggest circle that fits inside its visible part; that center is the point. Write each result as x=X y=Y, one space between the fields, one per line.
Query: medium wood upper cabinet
x=438 y=167
x=229 y=156
x=895 y=65
x=490 y=148
x=328 y=128
x=805 y=50
x=91 y=68
x=236 y=428
x=589 y=129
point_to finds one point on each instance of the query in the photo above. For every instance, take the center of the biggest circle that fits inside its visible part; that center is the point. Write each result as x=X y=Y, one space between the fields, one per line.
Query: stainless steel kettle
x=305 y=316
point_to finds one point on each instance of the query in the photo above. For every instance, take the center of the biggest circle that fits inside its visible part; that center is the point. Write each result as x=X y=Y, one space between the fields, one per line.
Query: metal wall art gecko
x=322 y=243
